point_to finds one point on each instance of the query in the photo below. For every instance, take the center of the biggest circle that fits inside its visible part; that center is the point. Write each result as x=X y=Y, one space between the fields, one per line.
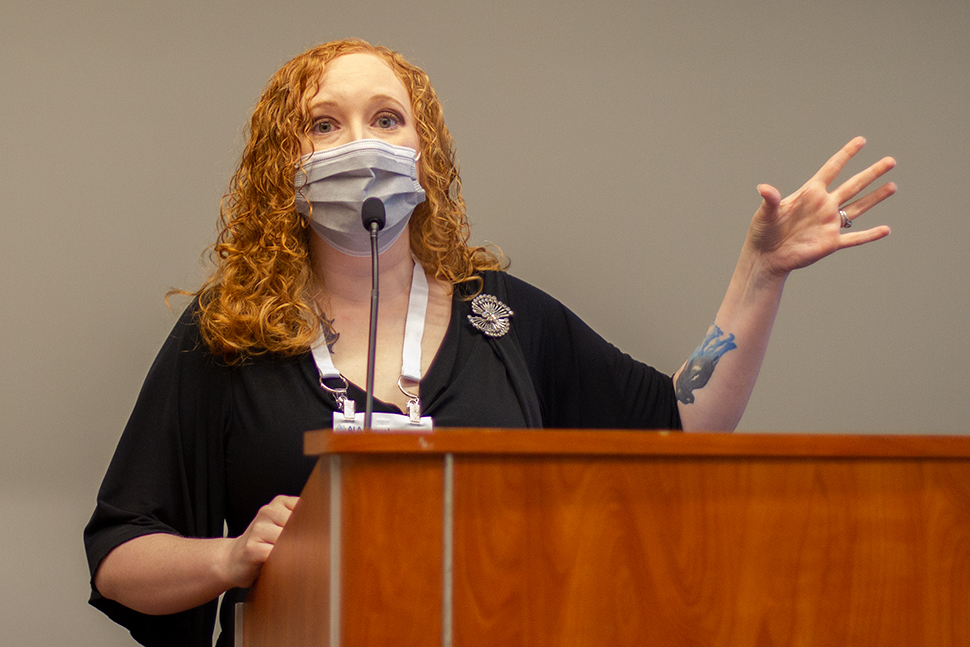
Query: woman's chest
x=405 y=346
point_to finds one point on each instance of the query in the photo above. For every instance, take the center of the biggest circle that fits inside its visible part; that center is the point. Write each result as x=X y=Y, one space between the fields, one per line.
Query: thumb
x=764 y=233
x=771 y=199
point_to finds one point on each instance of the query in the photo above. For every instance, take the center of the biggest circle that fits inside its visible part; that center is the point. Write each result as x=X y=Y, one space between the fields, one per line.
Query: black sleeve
x=582 y=380
x=167 y=476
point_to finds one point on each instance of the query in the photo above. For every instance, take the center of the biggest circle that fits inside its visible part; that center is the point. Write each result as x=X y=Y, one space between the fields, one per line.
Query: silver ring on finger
x=846 y=223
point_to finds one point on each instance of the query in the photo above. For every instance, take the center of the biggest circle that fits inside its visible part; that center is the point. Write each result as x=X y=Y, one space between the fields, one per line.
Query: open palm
x=806 y=226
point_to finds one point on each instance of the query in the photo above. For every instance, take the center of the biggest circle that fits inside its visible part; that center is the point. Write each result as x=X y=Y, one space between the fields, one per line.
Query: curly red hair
x=258 y=298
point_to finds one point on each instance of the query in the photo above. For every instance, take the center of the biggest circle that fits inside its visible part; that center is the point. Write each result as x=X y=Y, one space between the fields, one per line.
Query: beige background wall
x=611 y=149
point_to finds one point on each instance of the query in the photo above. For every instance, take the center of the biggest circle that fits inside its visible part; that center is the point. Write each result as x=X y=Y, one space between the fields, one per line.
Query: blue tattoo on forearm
x=700 y=366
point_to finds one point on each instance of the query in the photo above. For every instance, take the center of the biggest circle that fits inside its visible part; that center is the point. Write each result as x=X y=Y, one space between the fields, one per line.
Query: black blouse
x=208 y=444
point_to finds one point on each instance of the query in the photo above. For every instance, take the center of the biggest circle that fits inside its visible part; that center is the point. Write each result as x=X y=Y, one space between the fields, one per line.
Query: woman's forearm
x=161 y=574
x=714 y=385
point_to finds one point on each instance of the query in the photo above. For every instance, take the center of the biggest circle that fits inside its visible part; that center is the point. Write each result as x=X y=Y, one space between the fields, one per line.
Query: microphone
x=372 y=213
x=373 y=217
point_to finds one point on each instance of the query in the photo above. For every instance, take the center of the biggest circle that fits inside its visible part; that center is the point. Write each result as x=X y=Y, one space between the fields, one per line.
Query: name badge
x=382 y=422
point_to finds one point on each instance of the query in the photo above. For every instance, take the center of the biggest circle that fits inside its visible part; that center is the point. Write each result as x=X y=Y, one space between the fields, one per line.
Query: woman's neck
x=347 y=279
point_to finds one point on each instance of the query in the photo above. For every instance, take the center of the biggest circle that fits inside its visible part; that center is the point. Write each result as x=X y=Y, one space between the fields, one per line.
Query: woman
x=275 y=342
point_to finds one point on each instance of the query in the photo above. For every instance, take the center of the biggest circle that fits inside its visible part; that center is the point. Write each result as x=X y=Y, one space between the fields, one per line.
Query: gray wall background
x=611 y=149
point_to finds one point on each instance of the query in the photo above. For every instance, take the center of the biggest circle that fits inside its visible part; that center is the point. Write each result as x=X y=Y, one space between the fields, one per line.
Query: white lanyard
x=410 y=368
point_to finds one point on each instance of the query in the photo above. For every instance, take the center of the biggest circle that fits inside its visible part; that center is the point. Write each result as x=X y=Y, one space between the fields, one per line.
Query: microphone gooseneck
x=373 y=217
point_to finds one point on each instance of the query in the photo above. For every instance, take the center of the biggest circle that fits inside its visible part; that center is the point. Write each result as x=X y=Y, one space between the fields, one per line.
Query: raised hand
x=806 y=226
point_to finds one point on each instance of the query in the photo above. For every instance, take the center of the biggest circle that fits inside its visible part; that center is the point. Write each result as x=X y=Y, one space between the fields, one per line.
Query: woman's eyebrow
x=321 y=104
x=386 y=97
x=330 y=103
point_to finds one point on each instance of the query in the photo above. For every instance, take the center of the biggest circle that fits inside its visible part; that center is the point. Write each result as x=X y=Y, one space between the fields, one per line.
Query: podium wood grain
x=390 y=563
x=287 y=608
x=659 y=540
x=392 y=551
x=712 y=552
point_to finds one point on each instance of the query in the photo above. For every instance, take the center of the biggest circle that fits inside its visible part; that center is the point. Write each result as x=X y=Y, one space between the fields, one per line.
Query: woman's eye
x=387 y=120
x=322 y=127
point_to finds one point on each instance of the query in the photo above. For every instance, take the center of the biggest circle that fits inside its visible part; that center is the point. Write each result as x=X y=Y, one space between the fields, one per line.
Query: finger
x=855 y=184
x=831 y=169
x=770 y=195
x=771 y=198
x=282 y=502
x=261 y=553
x=267 y=534
x=857 y=238
x=289 y=501
x=274 y=512
x=261 y=532
x=258 y=550
x=867 y=202
x=252 y=546
x=280 y=516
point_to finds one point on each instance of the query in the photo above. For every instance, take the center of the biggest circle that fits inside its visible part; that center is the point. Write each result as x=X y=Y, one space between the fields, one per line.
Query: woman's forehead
x=360 y=71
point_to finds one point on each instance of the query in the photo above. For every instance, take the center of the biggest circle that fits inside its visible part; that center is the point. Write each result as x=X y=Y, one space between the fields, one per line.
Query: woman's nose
x=356 y=131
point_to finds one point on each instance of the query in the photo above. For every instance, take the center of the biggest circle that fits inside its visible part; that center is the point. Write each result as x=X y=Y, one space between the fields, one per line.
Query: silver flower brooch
x=493 y=315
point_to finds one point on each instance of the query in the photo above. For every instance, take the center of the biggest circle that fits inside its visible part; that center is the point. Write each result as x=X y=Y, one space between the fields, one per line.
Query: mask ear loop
x=340 y=395
x=414 y=403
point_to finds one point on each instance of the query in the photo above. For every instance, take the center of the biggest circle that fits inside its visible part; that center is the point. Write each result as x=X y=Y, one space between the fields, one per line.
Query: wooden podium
x=535 y=538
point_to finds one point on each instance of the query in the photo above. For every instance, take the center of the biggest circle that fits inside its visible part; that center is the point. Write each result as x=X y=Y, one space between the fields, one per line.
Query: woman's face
x=360 y=97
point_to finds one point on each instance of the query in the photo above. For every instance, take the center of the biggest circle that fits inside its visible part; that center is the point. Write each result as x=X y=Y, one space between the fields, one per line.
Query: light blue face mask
x=336 y=181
